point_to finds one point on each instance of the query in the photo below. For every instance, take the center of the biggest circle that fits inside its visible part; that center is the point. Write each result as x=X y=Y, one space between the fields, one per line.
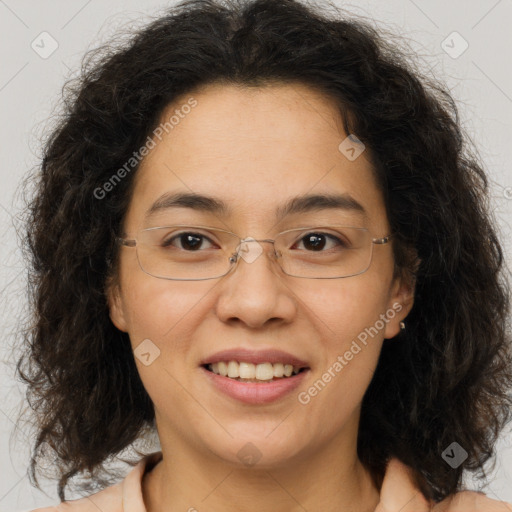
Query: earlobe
x=401 y=302
x=115 y=306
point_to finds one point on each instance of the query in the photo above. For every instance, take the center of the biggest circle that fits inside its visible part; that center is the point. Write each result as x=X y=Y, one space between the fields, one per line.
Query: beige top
x=125 y=496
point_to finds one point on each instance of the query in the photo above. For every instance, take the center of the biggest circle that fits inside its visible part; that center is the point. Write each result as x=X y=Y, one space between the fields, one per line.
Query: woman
x=258 y=232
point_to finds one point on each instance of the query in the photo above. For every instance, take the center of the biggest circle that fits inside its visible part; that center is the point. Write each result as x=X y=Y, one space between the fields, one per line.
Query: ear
x=401 y=299
x=115 y=305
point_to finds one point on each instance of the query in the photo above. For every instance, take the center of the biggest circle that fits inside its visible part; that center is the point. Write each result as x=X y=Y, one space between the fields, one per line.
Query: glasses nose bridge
x=251 y=239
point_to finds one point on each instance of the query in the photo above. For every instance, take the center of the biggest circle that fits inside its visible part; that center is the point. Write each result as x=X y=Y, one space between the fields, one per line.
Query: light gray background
x=480 y=79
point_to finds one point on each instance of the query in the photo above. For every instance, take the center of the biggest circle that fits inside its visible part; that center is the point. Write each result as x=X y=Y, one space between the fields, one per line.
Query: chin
x=256 y=449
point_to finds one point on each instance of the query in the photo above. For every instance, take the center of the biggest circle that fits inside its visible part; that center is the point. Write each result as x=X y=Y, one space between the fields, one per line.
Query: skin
x=255 y=148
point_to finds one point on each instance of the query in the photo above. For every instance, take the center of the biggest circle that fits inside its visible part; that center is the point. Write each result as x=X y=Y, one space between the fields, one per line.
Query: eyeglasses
x=193 y=253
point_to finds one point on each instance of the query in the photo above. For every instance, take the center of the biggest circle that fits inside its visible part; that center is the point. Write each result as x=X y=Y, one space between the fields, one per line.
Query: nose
x=255 y=292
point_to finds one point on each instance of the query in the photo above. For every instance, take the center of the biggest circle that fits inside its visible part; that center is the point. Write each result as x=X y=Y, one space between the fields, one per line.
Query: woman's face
x=255 y=150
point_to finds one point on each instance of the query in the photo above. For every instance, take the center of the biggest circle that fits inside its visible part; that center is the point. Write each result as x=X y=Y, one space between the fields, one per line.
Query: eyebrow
x=295 y=205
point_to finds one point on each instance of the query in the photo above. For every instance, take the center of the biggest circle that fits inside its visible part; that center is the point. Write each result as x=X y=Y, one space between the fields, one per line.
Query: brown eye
x=318 y=241
x=188 y=241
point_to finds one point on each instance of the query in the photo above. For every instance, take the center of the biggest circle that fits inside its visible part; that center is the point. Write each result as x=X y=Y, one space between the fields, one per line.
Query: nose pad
x=250 y=249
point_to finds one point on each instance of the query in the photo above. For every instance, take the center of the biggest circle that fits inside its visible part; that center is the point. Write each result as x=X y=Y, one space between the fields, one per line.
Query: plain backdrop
x=465 y=43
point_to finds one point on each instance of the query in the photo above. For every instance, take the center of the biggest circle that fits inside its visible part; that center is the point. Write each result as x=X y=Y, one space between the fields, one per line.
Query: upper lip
x=254 y=357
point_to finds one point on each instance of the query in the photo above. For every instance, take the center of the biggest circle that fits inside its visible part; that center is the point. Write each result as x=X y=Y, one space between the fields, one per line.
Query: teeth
x=233 y=369
x=278 y=369
x=248 y=372
x=222 y=367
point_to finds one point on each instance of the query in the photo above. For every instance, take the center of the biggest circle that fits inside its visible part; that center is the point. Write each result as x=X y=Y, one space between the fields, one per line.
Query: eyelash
x=168 y=242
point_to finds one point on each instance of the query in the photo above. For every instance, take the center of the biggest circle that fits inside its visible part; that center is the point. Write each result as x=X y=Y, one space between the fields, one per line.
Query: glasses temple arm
x=126 y=242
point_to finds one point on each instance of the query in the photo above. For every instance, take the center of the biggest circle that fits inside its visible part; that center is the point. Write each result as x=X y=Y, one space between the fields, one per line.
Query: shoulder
x=399 y=491
x=125 y=496
x=107 y=500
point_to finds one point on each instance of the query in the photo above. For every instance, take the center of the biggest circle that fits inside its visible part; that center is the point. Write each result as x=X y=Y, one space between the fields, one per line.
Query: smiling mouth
x=248 y=372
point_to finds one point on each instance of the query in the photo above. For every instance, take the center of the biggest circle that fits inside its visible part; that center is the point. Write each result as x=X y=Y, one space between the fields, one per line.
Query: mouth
x=242 y=371
x=256 y=383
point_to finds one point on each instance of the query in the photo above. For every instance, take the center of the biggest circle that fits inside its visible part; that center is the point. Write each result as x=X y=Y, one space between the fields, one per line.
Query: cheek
x=162 y=317
x=343 y=309
x=154 y=307
x=352 y=337
x=348 y=315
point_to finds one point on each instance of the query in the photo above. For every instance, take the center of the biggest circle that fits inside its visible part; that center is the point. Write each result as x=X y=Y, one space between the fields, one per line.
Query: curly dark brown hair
x=448 y=377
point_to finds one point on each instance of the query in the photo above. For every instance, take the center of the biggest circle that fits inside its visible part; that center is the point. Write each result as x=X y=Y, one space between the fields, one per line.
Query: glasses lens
x=325 y=252
x=185 y=252
x=200 y=252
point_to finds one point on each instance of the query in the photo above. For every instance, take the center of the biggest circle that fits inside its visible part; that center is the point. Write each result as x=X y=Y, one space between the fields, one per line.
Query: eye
x=188 y=241
x=318 y=241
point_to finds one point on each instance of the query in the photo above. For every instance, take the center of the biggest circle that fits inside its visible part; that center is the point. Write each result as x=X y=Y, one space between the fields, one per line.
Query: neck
x=332 y=478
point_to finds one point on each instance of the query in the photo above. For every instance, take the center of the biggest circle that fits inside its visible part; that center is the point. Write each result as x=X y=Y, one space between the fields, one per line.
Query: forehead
x=255 y=148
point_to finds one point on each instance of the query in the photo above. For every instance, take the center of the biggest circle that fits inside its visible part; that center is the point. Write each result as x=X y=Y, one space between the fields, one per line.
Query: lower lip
x=253 y=392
